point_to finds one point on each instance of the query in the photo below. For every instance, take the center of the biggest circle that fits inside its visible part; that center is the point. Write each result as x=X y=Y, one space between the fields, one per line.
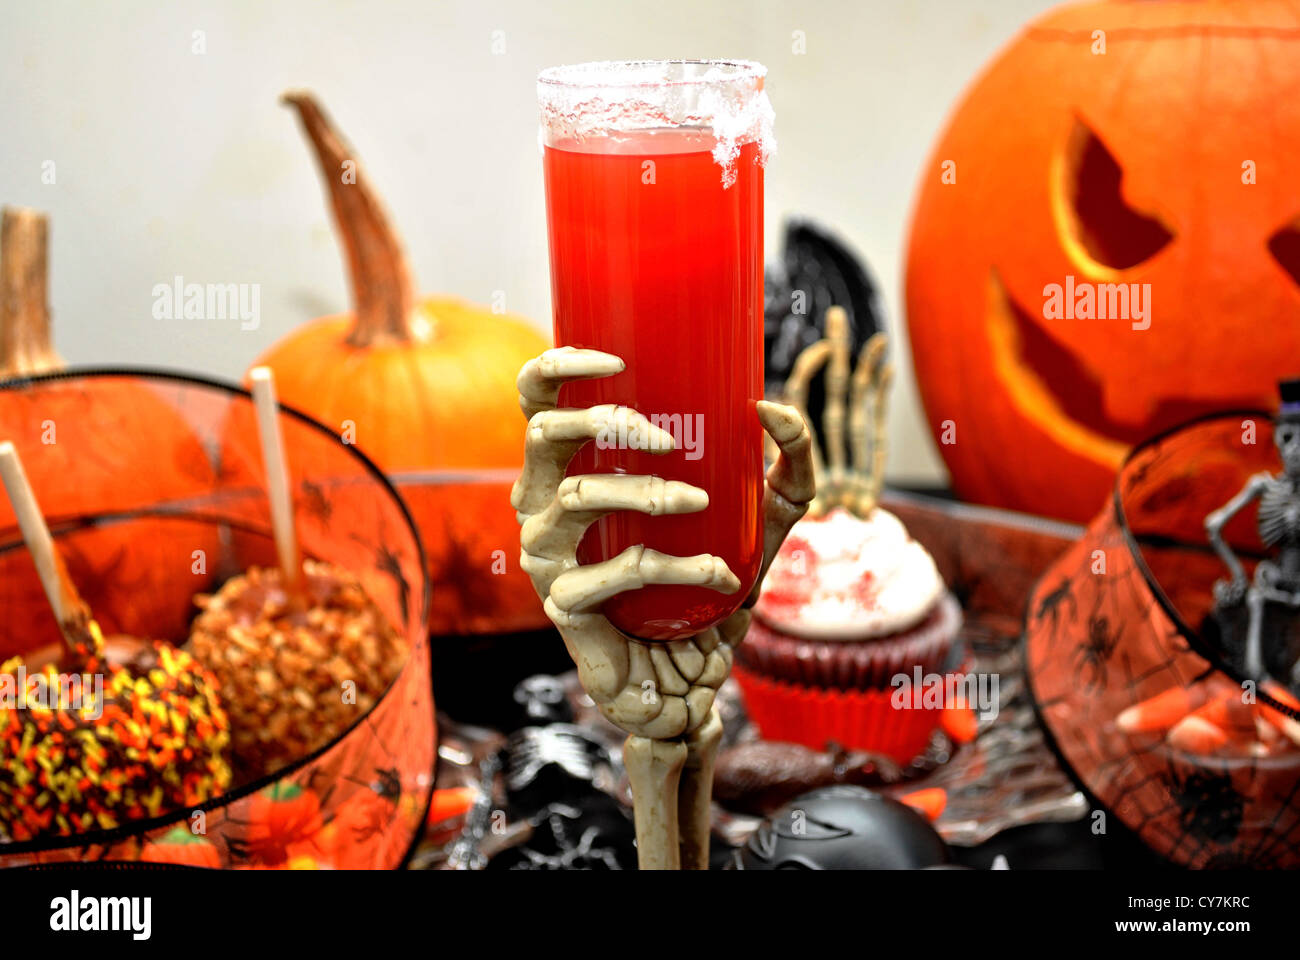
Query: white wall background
x=169 y=162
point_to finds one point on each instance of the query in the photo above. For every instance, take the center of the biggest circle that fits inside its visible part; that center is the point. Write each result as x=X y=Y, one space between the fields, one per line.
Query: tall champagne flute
x=654 y=202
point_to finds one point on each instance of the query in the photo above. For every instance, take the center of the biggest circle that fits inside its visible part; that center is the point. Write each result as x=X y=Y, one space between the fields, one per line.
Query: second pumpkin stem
x=382 y=291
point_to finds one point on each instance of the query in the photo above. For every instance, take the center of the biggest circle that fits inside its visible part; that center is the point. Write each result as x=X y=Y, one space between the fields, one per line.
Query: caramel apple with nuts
x=300 y=649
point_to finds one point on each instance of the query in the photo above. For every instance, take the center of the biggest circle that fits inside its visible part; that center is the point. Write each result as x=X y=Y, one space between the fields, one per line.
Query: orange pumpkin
x=426 y=388
x=1150 y=144
x=92 y=446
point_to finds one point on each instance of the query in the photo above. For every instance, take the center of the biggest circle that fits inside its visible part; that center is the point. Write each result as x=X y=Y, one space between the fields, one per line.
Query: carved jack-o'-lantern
x=1107 y=242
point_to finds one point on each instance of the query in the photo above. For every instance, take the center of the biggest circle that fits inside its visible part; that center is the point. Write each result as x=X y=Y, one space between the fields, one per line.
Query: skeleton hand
x=648 y=689
x=654 y=691
x=1230 y=592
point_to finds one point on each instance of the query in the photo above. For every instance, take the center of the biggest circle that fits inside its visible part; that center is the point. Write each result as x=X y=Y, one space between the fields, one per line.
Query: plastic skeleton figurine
x=673 y=733
x=1276 y=581
x=865 y=389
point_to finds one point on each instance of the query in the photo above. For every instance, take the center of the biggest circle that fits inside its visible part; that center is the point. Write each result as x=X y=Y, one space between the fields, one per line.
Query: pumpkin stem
x=381 y=282
x=25 y=346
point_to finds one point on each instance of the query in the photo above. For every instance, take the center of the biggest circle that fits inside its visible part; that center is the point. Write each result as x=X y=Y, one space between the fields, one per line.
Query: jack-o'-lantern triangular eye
x=1285 y=247
x=1110 y=231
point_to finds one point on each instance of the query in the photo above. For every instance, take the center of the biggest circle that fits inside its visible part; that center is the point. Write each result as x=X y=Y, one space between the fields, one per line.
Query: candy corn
x=1212 y=726
x=1162 y=711
x=450 y=802
x=929 y=802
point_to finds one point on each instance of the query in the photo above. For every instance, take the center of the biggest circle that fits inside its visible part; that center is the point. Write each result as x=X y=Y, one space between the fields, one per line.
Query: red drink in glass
x=655 y=261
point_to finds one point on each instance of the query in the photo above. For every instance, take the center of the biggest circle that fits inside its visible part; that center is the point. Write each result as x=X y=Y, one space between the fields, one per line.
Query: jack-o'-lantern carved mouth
x=1052 y=387
x=1046 y=382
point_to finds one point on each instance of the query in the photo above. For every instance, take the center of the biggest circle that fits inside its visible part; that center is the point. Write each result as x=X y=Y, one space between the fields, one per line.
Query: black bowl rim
x=145 y=825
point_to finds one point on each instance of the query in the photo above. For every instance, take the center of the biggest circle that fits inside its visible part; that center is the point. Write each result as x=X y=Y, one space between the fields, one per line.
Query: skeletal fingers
x=583 y=589
x=598 y=494
x=579 y=502
x=871 y=379
x=792 y=474
x=791 y=483
x=554 y=436
x=812 y=359
x=837 y=379
x=540 y=379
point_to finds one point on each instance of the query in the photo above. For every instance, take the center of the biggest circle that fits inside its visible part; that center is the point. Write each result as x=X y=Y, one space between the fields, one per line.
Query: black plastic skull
x=843 y=828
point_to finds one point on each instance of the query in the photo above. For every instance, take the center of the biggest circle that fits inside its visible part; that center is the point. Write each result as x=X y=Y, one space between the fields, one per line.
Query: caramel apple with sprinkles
x=300 y=649
x=93 y=732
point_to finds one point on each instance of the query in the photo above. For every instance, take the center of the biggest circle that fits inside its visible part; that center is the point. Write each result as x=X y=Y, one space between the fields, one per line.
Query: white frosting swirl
x=841 y=577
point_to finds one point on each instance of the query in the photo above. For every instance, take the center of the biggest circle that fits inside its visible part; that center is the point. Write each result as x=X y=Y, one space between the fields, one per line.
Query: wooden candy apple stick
x=69 y=609
x=278 y=490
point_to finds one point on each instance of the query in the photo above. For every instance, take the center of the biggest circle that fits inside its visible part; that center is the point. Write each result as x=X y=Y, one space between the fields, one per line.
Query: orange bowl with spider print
x=1128 y=673
x=355 y=799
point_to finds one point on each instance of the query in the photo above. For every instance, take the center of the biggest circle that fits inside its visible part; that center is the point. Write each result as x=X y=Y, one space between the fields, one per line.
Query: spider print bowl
x=1124 y=615
x=478 y=587
x=141 y=534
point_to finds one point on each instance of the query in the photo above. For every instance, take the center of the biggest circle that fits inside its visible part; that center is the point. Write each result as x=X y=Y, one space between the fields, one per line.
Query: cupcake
x=851 y=603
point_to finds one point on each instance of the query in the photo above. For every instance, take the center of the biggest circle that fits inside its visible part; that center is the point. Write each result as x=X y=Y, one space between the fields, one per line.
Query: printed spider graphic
x=388 y=783
x=1209 y=806
x=1051 y=603
x=1090 y=658
x=386 y=561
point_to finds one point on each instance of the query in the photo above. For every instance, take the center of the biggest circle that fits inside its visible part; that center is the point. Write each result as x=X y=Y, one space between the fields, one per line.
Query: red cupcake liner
x=852 y=664
x=854 y=719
